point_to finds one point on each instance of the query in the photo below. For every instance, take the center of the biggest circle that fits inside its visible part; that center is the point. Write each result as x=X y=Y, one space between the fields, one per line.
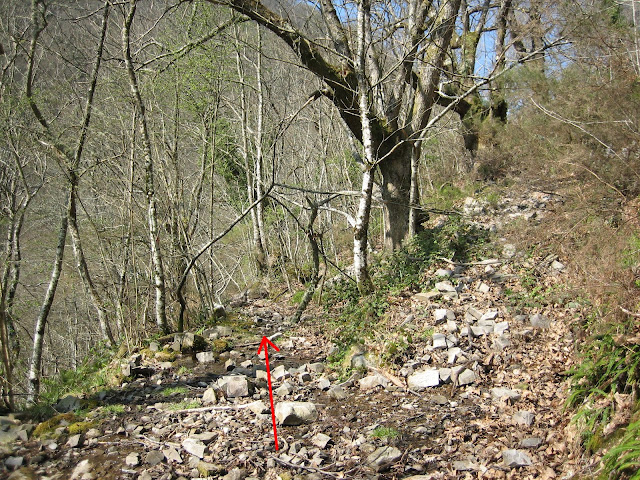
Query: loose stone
x=295 y=413
x=383 y=457
x=466 y=377
x=516 y=458
x=523 y=418
x=424 y=379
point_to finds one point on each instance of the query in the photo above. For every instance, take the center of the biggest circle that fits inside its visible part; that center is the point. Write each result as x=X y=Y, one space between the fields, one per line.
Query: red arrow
x=265 y=343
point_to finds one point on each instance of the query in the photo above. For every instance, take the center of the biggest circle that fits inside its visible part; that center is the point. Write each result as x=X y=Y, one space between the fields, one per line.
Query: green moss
x=81 y=427
x=165 y=355
x=385 y=432
x=220 y=345
x=48 y=426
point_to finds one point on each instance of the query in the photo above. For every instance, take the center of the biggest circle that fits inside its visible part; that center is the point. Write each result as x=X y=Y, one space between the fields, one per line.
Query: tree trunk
x=33 y=386
x=361 y=230
x=152 y=216
x=396 y=195
x=81 y=262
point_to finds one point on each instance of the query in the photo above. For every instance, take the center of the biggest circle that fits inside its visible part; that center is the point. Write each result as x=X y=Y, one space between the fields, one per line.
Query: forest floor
x=476 y=388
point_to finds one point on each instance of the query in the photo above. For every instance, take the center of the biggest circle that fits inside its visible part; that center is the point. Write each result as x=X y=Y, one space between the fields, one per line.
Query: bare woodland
x=158 y=157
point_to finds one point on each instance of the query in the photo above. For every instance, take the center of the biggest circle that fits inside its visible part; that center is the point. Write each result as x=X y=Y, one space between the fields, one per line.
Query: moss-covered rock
x=48 y=426
x=81 y=427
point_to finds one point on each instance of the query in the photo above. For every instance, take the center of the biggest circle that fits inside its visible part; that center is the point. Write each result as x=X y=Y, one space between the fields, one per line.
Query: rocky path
x=479 y=394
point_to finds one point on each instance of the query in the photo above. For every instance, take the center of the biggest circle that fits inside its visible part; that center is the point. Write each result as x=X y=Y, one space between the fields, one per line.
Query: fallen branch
x=636 y=315
x=211 y=408
x=470 y=264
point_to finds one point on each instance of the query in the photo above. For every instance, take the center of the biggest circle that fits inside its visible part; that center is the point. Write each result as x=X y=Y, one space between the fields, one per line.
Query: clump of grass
x=385 y=432
x=92 y=374
x=623 y=460
x=167 y=392
x=185 y=404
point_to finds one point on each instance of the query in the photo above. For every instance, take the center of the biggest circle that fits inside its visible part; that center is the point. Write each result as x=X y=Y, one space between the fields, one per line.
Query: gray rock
x=516 y=458
x=358 y=361
x=372 y=381
x=473 y=314
x=451 y=327
x=194 y=447
x=500 y=393
x=189 y=342
x=452 y=341
x=488 y=316
x=283 y=390
x=280 y=372
x=205 y=357
x=501 y=342
x=235 y=386
x=426 y=296
x=442 y=315
x=443 y=272
x=382 y=458
x=83 y=468
x=439 y=340
x=154 y=457
x=316 y=367
x=423 y=379
x=539 y=321
x=14 y=462
x=320 y=440
x=258 y=407
x=223 y=330
x=531 y=442
x=483 y=288
x=558 y=266
x=172 y=455
x=209 y=397
x=467 y=377
x=500 y=327
x=295 y=413
x=446 y=286
x=445 y=375
x=453 y=354
x=337 y=392
x=132 y=460
x=523 y=418
x=440 y=400
x=236 y=474
x=467 y=465
x=324 y=383
x=68 y=404
x=75 y=441
x=229 y=365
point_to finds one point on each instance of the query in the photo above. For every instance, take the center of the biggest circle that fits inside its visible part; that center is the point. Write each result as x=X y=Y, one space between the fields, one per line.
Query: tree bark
x=361 y=230
x=33 y=386
x=152 y=216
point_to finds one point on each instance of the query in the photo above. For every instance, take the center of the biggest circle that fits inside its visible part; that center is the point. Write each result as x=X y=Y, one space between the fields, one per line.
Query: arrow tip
x=265 y=343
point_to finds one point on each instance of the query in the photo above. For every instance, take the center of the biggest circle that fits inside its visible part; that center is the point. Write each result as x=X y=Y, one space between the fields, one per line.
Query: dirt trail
x=481 y=396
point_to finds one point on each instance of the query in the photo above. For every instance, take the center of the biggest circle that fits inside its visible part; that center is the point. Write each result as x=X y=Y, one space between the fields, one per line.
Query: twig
x=637 y=315
x=207 y=409
x=470 y=264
